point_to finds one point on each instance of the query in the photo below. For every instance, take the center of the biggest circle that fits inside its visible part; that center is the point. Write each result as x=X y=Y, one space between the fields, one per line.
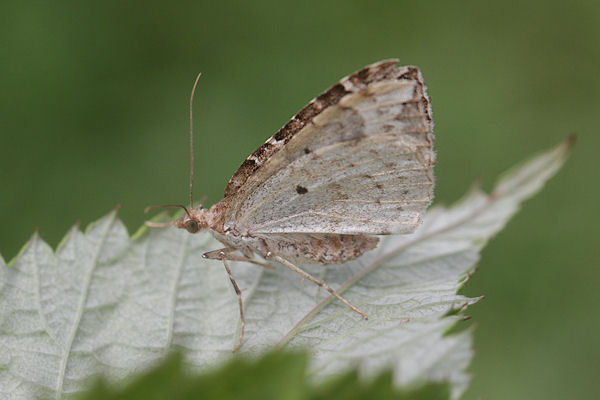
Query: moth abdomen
x=319 y=248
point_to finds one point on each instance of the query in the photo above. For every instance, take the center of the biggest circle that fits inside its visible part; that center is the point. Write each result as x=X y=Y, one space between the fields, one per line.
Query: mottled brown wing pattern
x=357 y=160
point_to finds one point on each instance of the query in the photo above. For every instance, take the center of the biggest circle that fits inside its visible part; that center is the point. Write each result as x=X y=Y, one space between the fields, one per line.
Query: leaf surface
x=107 y=304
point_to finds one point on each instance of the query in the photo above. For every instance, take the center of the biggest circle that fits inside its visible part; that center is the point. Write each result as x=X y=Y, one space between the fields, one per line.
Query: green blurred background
x=94 y=103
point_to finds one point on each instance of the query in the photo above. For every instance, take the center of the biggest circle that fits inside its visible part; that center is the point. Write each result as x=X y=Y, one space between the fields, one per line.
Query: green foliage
x=275 y=376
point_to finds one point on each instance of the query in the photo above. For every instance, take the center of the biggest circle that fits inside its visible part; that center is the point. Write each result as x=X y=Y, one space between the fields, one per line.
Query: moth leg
x=224 y=255
x=230 y=255
x=239 y=295
x=311 y=278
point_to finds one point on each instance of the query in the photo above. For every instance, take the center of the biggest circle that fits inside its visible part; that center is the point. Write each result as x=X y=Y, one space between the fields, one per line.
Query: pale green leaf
x=105 y=303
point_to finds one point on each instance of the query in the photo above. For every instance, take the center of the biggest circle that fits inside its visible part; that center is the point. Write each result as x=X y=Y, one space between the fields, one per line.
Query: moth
x=356 y=162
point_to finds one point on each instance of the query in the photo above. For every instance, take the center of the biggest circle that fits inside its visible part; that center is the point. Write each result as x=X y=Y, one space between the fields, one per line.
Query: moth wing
x=358 y=159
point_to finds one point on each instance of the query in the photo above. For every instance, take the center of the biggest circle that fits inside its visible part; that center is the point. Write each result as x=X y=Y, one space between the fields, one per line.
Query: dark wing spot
x=263 y=152
x=363 y=74
x=289 y=130
x=388 y=128
x=248 y=162
x=411 y=74
x=333 y=95
x=301 y=189
x=308 y=112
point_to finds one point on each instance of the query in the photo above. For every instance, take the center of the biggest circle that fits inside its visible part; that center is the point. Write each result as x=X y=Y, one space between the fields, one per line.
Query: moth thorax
x=195 y=221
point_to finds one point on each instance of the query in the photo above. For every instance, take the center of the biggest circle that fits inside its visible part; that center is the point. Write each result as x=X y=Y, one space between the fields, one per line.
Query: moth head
x=193 y=221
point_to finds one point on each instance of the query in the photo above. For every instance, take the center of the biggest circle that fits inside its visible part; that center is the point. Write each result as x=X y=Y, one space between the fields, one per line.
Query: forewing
x=357 y=159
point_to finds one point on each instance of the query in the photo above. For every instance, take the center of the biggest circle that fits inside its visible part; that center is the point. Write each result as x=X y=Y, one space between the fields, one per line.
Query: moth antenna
x=150 y=224
x=167 y=206
x=192 y=143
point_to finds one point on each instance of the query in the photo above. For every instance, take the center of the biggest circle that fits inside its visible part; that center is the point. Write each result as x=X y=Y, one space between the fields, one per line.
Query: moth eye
x=191 y=226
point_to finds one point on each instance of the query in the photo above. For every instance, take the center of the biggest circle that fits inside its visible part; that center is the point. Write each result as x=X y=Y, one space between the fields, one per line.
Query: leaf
x=276 y=375
x=107 y=304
